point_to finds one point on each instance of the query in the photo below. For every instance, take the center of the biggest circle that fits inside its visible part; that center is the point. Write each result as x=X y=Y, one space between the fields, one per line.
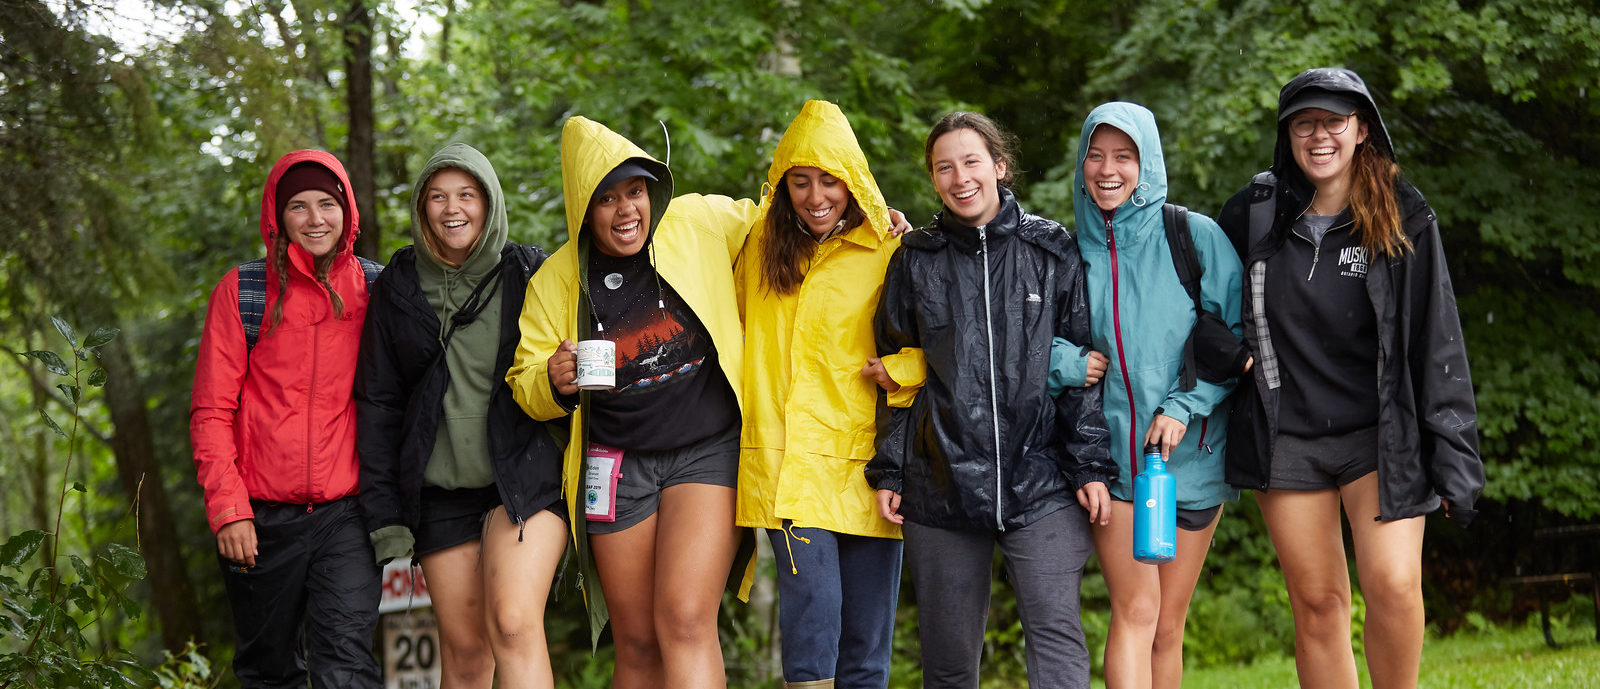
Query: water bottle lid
x=1152 y=449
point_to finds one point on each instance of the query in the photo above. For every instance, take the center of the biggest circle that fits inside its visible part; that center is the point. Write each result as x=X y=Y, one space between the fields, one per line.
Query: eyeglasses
x=1334 y=125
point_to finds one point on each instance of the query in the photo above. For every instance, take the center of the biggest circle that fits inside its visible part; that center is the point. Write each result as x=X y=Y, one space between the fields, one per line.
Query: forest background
x=131 y=172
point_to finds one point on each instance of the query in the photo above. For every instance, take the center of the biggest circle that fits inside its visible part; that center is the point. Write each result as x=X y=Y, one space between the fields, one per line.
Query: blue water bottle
x=1155 y=510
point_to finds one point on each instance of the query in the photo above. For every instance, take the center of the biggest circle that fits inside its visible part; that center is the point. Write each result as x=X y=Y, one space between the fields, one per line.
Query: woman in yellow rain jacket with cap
x=654 y=275
x=809 y=281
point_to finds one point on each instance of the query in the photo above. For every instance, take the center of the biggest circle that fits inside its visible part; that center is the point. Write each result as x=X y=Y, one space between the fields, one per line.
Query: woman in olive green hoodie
x=452 y=470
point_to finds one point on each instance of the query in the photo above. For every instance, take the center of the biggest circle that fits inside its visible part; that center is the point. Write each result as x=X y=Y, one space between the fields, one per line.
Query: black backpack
x=253 y=294
x=1212 y=352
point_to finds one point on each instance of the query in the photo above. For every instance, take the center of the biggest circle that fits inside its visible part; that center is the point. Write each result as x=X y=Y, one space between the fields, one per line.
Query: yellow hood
x=589 y=151
x=821 y=137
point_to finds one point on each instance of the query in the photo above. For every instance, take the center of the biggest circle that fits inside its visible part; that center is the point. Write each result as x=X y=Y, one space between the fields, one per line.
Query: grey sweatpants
x=950 y=570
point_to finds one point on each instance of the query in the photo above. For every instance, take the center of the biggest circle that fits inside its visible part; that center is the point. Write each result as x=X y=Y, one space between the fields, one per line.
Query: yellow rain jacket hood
x=809 y=414
x=696 y=241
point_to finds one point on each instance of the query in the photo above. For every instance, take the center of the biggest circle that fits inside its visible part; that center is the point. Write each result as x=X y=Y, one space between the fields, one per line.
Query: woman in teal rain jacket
x=1141 y=316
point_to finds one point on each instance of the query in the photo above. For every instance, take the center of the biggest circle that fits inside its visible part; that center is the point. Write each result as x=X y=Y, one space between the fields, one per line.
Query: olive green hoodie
x=461 y=451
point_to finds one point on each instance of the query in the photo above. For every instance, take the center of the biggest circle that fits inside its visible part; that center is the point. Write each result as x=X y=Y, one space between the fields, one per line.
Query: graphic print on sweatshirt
x=659 y=340
x=1353 y=262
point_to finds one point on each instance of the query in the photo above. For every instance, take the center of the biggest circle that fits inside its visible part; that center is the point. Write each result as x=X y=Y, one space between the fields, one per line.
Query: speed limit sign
x=411 y=650
x=410 y=629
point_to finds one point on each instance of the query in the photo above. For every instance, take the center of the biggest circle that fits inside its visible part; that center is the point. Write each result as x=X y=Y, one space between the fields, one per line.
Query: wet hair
x=788 y=246
x=1373 y=202
x=1002 y=144
x=280 y=261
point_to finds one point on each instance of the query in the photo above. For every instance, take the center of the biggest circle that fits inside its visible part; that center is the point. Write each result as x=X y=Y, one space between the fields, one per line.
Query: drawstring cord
x=788 y=533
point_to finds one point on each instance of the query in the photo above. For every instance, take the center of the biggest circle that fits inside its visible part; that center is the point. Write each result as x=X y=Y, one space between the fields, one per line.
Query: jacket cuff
x=231 y=514
x=890 y=483
x=1176 y=410
x=1089 y=476
x=1069 y=366
x=391 y=542
x=909 y=368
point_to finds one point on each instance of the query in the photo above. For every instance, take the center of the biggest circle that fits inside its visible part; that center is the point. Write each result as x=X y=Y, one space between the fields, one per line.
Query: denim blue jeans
x=836 y=599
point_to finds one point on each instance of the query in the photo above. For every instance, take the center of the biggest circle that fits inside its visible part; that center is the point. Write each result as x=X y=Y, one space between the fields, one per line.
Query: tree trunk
x=395 y=156
x=140 y=475
x=358 y=89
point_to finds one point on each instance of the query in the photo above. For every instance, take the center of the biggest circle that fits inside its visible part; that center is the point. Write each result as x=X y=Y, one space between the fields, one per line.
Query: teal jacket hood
x=1142 y=211
x=1140 y=316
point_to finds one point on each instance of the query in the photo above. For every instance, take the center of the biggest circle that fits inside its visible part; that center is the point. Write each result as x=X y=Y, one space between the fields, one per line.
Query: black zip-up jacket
x=984 y=447
x=1427 y=415
x=401 y=378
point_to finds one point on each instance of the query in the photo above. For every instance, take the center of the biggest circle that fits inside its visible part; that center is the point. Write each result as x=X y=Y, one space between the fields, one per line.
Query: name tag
x=602 y=470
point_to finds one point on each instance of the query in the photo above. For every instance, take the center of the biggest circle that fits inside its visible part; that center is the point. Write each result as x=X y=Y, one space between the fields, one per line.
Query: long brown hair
x=788 y=247
x=280 y=261
x=1373 y=202
x=1002 y=144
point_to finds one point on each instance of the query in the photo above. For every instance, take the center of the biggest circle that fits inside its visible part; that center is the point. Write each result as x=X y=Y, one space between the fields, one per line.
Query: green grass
x=1495 y=659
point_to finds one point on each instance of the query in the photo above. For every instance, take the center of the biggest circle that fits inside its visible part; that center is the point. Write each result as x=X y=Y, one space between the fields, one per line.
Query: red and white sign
x=399 y=592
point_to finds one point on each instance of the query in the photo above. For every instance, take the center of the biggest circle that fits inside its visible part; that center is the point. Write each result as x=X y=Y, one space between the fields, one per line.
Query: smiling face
x=1111 y=167
x=620 y=217
x=455 y=209
x=820 y=199
x=1325 y=157
x=315 y=221
x=967 y=176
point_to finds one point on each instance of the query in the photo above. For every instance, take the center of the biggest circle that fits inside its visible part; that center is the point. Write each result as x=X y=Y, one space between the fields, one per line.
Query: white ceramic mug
x=597 y=365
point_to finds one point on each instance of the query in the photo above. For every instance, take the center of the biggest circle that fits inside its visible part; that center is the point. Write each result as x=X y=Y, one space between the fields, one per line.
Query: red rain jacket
x=277 y=423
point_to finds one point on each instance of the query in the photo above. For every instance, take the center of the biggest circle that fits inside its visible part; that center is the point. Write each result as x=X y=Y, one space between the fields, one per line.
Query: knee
x=1392 y=588
x=636 y=644
x=515 y=628
x=1321 y=608
x=1169 y=635
x=686 y=625
x=467 y=660
x=1140 y=612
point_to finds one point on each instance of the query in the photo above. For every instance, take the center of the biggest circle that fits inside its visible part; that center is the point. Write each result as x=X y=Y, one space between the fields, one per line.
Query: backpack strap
x=253 y=295
x=1263 y=205
x=371 y=269
x=252 y=299
x=1186 y=261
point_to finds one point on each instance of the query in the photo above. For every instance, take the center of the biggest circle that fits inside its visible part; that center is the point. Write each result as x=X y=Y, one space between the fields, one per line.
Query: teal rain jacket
x=1132 y=282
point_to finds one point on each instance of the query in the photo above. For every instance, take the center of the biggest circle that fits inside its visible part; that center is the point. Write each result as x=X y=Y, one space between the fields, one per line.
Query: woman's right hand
x=563 y=368
x=875 y=372
x=1096 y=368
x=889 y=506
x=237 y=542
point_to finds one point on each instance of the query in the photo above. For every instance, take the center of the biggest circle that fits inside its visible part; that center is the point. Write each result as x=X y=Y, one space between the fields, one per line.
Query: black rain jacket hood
x=1427 y=413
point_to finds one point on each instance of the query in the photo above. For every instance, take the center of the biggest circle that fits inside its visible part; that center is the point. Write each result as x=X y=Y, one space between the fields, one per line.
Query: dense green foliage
x=130 y=179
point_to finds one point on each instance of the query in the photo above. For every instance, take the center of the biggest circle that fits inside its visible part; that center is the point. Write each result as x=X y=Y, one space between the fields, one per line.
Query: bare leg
x=1305 y=530
x=1177 y=587
x=1135 y=601
x=695 y=544
x=626 y=561
x=518 y=567
x=1389 y=562
x=1149 y=603
x=456 y=586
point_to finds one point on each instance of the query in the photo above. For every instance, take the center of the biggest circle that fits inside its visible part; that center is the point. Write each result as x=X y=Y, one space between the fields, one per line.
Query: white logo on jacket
x=1353 y=262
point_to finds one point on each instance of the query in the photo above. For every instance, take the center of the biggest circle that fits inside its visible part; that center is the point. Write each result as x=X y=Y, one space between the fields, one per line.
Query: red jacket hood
x=269 y=206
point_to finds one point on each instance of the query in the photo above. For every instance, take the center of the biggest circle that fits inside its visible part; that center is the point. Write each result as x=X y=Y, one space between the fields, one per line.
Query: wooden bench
x=1588 y=539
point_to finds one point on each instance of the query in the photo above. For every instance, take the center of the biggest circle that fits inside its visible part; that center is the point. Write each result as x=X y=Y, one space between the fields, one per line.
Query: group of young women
x=804 y=365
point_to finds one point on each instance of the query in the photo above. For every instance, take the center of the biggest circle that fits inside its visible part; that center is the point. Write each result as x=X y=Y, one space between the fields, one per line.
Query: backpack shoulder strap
x=371 y=269
x=252 y=299
x=1263 y=205
x=1187 y=264
x=1185 y=260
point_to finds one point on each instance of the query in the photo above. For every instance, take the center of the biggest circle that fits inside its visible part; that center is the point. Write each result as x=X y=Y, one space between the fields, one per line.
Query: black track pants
x=310 y=605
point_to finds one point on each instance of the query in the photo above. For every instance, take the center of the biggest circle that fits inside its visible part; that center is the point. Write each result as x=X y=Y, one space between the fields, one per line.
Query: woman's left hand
x=1096 y=500
x=898 y=225
x=1166 y=432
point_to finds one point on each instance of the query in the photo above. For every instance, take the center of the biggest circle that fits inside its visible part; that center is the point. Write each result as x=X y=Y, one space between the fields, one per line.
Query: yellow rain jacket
x=809 y=414
x=696 y=241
